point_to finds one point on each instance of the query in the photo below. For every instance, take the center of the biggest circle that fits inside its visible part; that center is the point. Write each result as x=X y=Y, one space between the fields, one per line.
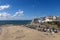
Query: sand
x=20 y=32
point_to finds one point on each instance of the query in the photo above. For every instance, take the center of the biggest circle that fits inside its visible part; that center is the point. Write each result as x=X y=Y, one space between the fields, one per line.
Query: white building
x=46 y=19
x=54 y=17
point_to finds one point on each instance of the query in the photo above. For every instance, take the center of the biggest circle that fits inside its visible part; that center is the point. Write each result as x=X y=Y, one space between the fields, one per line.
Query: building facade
x=46 y=19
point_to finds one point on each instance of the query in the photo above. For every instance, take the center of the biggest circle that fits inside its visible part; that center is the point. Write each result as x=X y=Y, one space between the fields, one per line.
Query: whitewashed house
x=46 y=19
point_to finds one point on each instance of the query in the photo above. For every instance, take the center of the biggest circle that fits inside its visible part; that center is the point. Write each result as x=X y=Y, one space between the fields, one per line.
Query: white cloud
x=18 y=13
x=4 y=14
x=2 y=7
x=7 y=16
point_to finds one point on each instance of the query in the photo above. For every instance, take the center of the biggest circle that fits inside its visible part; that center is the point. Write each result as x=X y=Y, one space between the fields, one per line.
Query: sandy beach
x=20 y=32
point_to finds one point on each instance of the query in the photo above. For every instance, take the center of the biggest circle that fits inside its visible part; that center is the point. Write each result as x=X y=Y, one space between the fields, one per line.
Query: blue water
x=15 y=22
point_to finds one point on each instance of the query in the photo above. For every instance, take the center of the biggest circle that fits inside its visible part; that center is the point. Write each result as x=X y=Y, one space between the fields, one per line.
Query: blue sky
x=28 y=9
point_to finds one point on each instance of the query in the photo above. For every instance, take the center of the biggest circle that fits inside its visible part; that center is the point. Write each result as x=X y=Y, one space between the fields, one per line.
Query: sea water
x=15 y=22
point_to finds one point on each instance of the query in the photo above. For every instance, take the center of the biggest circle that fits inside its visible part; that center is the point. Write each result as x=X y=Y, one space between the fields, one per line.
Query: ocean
x=20 y=22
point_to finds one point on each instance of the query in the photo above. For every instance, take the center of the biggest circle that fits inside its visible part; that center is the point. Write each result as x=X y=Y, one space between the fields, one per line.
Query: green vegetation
x=55 y=24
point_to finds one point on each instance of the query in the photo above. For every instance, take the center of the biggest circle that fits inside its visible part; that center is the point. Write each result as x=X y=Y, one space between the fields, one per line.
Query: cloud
x=7 y=16
x=2 y=7
x=4 y=14
x=18 y=13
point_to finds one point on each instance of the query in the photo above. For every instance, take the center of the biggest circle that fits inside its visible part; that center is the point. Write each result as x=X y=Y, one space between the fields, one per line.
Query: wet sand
x=17 y=32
